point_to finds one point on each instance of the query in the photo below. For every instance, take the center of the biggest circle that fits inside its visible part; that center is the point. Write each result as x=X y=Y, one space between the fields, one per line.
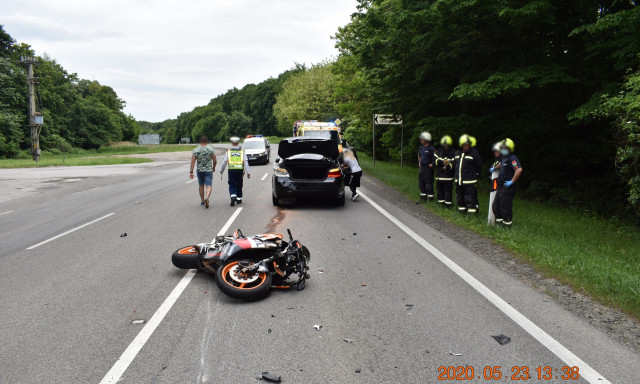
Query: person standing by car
x=467 y=166
x=510 y=171
x=425 y=160
x=238 y=165
x=206 y=159
x=444 y=157
x=355 y=172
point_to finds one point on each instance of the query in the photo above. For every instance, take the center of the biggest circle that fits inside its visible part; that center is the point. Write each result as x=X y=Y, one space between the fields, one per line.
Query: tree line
x=78 y=113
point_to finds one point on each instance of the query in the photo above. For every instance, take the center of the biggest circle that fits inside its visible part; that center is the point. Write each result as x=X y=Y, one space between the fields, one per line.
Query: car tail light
x=335 y=172
x=281 y=172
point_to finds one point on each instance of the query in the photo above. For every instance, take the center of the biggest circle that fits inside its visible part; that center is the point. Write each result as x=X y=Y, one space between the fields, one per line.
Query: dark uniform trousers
x=503 y=204
x=425 y=181
x=467 y=196
x=445 y=191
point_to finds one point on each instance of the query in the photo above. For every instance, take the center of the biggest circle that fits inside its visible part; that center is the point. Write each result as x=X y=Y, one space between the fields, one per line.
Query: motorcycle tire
x=186 y=257
x=240 y=287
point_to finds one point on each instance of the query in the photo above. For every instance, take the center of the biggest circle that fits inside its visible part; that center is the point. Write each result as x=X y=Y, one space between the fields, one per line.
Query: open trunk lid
x=306 y=145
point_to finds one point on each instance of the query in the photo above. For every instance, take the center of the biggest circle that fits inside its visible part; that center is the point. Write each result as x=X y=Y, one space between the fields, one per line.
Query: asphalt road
x=407 y=298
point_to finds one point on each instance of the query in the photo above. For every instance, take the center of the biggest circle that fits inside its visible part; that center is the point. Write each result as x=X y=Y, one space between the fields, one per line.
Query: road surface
x=406 y=298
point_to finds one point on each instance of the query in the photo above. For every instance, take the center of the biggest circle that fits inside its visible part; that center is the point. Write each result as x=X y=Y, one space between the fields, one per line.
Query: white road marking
x=586 y=372
x=71 y=230
x=77 y=193
x=5 y=212
x=191 y=181
x=265 y=176
x=127 y=357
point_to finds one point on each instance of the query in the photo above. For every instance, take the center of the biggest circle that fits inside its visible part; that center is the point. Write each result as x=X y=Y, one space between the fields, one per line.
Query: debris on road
x=272 y=315
x=317 y=327
x=137 y=321
x=320 y=270
x=388 y=237
x=409 y=306
x=358 y=370
x=348 y=341
x=502 y=339
x=354 y=233
x=271 y=377
x=269 y=330
x=363 y=285
x=455 y=354
x=124 y=234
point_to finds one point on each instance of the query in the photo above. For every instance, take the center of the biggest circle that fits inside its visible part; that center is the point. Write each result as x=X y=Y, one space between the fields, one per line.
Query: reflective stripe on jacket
x=467 y=166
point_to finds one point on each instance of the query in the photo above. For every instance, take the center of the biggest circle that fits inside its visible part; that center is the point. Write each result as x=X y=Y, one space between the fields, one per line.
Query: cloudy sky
x=168 y=56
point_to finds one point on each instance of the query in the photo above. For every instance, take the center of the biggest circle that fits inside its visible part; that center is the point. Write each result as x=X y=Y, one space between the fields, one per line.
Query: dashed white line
x=586 y=372
x=191 y=181
x=5 y=212
x=71 y=230
x=127 y=357
x=265 y=176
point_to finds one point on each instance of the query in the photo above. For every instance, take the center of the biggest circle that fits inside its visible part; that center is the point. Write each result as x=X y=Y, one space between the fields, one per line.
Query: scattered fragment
x=124 y=234
x=428 y=351
x=271 y=377
x=320 y=270
x=409 y=306
x=358 y=370
x=269 y=330
x=388 y=237
x=137 y=321
x=363 y=285
x=455 y=354
x=502 y=339
x=354 y=233
x=205 y=291
x=138 y=203
x=343 y=238
x=291 y=307
x=419 y=273
x=349 y=341
x=317 y=327
x=272 y=315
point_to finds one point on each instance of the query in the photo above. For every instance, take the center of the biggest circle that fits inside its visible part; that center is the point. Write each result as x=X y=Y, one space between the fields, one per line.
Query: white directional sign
x=387 y=120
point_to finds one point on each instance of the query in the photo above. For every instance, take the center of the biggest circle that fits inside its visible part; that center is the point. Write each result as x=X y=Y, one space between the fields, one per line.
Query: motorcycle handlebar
x=290 y=235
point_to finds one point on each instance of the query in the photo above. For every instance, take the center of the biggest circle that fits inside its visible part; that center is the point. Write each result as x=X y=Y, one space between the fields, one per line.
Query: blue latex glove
x=508 y=183
x=491 y=170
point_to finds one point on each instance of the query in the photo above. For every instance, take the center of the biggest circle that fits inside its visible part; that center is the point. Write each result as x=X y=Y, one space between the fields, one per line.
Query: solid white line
x=191 y=181
x=544 y=338
x=71 y=230
x=5 y=212
x=226 y=226
x=265 y=176
x=127 y=357
x=86 y=190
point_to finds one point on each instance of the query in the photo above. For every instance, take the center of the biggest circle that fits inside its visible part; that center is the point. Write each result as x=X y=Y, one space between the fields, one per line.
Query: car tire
x=275 y=201
x=340 y=200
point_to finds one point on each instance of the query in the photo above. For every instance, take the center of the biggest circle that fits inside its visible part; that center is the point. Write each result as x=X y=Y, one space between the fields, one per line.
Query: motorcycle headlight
x=280 y=172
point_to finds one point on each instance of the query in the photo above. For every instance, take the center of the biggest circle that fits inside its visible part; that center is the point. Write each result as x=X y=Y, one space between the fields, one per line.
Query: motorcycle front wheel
x=233 y=282
x=186 y=257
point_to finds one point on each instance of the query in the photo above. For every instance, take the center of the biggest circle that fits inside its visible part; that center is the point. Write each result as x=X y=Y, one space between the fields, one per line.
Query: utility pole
x=35 y=118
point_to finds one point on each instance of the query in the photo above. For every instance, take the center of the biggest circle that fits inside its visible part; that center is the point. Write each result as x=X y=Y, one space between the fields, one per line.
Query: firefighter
x=510 y=171
x=425 y=160
x=467 y=166
x=238 y=166
x=444 y=157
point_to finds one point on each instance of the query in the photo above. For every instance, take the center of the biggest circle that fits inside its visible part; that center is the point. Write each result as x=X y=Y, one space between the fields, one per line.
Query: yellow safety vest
x=235 y=158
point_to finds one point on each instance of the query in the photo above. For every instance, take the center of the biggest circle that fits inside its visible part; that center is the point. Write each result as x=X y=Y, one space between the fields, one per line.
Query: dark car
x=307 y=168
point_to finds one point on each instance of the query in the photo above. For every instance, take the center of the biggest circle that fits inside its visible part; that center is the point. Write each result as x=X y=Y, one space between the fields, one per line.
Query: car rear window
x=333 y=135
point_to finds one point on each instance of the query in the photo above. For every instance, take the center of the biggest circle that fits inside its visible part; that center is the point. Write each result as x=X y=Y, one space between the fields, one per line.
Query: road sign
x=387 y=120
x=337 y=121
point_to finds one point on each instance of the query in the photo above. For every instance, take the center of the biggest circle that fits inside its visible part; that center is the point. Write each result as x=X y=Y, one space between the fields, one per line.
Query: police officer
x=467 y=165
x=238 y=165
x=510 y=171
x=425 y=160
x=444 y=158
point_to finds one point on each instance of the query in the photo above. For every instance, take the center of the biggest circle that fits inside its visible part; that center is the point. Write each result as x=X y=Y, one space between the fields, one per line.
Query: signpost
x=379 y=119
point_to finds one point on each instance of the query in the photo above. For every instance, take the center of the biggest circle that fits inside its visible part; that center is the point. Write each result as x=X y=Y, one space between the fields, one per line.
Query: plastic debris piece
x=388 y=237
x=363 y=285
x=358 y=370
x=137 y=321
x=271 y=377
x=502 y=339
x=409 y=306
x=354 y=233
x=269 y=330
x=317 y=327
x=124 y=234
x=455 y=354
x=320 y=270
x=349 y=341
x=272 y=315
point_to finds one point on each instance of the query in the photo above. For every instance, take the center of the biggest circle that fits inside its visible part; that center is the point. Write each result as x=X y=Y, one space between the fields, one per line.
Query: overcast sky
x=167 y=56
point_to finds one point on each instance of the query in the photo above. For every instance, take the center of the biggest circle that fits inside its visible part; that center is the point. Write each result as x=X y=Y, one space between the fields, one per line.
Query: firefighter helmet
x=426 y=136
x=496 y=146
x=466 y=139
x=509 y=144
x=446 y=140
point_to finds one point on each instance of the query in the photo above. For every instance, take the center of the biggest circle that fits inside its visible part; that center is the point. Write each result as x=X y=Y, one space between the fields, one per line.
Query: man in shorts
x=206 y=158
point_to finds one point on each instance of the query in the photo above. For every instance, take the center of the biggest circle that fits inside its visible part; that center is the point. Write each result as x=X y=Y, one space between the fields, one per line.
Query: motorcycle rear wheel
x=186 y=257
x=233 y=283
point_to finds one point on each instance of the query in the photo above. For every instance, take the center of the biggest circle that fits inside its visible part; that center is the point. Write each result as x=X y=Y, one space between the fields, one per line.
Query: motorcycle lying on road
x=248 y=267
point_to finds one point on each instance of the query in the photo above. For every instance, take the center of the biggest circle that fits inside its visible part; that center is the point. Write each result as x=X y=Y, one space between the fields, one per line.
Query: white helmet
x=426 y=136
x=234 y=140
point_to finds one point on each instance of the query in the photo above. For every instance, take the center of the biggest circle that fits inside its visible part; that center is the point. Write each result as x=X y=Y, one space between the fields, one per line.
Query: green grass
x=594 y=256
x=102 y=156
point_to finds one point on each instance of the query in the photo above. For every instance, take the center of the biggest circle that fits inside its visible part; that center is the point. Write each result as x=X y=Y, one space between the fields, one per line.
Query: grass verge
x=594 y=256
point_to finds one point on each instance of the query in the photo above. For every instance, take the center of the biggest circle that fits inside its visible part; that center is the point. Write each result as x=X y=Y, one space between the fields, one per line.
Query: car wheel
x=275 y=201
x=340 y=200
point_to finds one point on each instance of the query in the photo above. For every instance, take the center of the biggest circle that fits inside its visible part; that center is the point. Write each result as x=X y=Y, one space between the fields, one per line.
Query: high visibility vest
x=235 y=158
